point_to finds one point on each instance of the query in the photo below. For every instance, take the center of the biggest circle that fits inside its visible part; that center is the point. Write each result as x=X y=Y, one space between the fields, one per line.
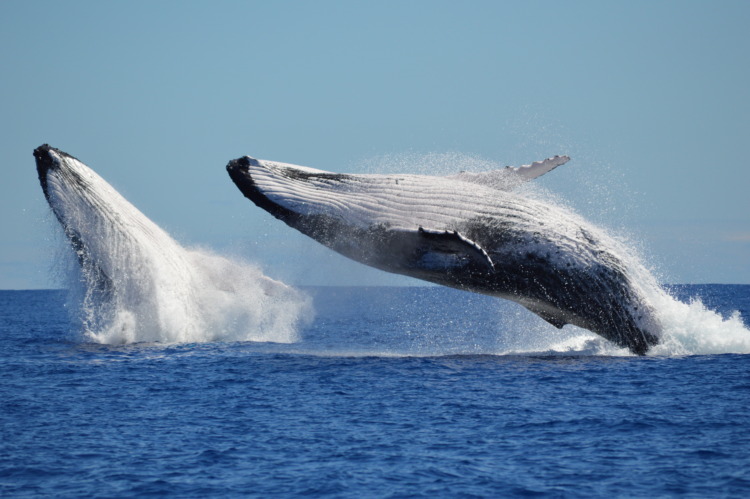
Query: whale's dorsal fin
x=512 y=176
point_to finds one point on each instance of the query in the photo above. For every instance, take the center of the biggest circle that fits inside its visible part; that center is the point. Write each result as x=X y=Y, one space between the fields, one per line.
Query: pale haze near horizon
x=650 y=99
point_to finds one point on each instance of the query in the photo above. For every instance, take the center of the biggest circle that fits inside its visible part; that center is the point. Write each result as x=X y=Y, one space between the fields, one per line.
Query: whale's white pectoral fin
x=512 y=176
x=441 y=247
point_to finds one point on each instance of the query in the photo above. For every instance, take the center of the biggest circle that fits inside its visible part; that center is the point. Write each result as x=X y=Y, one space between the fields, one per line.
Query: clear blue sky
x=651 y=99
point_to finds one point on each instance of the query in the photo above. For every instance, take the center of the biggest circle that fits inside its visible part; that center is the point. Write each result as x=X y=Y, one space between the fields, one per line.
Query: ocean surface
x=384 y=392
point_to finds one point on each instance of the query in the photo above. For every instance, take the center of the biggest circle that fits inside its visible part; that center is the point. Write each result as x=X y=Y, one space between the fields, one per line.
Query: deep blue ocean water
x=388 y=392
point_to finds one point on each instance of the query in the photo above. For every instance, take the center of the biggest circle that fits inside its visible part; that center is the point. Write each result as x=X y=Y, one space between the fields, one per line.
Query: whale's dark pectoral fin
x=440 y=246
x=545 y=314
x=435 y=250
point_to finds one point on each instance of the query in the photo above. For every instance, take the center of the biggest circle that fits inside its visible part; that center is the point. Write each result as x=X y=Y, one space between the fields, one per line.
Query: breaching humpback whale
x=138 y=284
x=468 y=231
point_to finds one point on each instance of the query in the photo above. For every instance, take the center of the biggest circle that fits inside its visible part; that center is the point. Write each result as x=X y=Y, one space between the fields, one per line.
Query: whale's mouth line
x=239 y=172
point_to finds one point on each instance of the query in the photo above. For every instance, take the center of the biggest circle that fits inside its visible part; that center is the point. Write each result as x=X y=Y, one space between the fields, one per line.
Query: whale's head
x=373 y=219
x=326 y=206
x=110 y=237
x=84 y=204
x=74 y=194
x=292 y=193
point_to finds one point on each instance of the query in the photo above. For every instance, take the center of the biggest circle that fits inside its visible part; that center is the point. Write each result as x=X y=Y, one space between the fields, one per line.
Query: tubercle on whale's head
x=49 y=159
x=42 y=155
x=242 y=164
x=56 y=168
x=239 y=172
x=46 y=160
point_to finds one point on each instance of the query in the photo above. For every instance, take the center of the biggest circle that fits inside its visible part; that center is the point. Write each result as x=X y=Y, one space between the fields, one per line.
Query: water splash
x=224 y=299
x=693 y=329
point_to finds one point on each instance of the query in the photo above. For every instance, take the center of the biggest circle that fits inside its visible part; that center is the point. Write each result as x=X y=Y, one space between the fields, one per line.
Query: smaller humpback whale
x=126 y=260
x=137 y=283
x=468 y=231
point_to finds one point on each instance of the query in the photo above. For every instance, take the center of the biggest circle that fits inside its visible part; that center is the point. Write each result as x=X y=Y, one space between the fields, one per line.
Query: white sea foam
x=688 y=329
x=692 y=329
x=224 y=300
